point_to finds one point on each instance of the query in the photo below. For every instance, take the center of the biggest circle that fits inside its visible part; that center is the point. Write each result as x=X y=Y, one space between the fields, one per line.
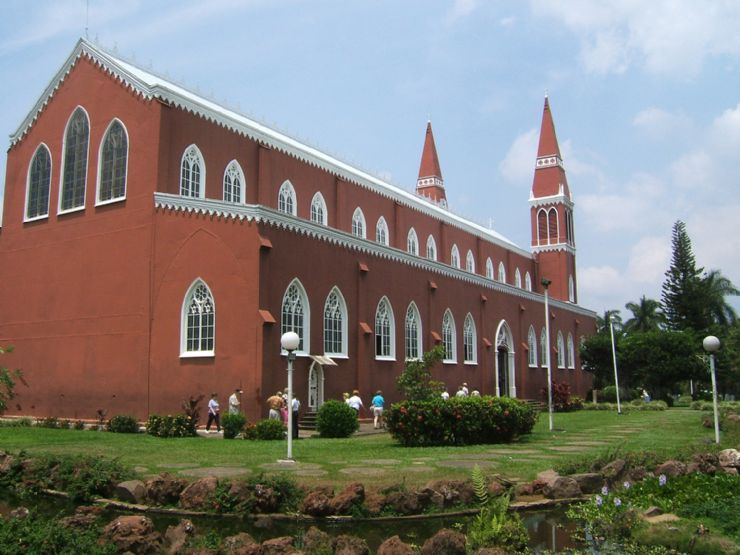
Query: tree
x=596 y=352
x=646 y=315
x=715 y=288
x=7 y=382
x=602 y=322
x=416 y=383
x=681 y=292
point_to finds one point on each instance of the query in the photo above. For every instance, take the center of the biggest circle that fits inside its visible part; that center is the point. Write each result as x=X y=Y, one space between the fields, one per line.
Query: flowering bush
x=170 y=426
x=460 y=421
x=605 y=518
x=562 y=400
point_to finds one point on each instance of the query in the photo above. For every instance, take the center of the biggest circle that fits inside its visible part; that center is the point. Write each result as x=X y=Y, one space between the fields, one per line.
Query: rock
x=278 y=546
x=265 y=499
x=177 y=536
x=6 y=461
x=352 y=495
x=547 y=477
x=350 y=545
x=612 y=471
x=133 y=533
x=496 y=488
x=589 y=482
x=374 y=503
x=729 y=458
x=314 y=540
x=164 y=489
x=706 y=463
x=198 y=494
x=563 y=487
x=403 y=502
x=394 y=546
x=446 y=541
x=454 y=492
x=730 y=470
x=652 y=511
x=20 y=513
x=240 y=544
x=131 y=491
x=317 y=503
x=671 y=468
x=637 y=474
x=492 y=551
x=84 y=517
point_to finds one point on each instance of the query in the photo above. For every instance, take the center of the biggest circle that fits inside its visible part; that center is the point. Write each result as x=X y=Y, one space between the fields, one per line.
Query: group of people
x=214 y=409
x=462 y=391
x=278 y=405
x=376 y=406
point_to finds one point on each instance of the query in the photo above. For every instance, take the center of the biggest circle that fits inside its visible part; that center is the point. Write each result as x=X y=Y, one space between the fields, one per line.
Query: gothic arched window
x=112 y=167
x=198 y=321
x=234 y=183
x=192 y=173
x=449 y=337
x=431 y=248
x=287 y=202
x=39 y=181
x=385 y=331
x=358 y=223
x=381 y=231
x=413 y=333
x=470 y=354
x=470 y=262
x=335 y=324
x=74 y=172
x=296 y=315
x=318 y=209
x=532 y=347
x=455 y=257
x=412 y=243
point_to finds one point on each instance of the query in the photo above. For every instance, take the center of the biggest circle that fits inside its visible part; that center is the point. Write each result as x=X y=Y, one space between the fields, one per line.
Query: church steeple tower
x=551 y=202
x=430 y=183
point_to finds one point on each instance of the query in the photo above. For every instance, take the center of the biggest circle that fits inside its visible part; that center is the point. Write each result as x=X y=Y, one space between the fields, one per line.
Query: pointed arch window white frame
x=571 y=289
x=198 y=321
x=470 y=262
x=385 y=331
x=38 y=184
x=455 y=257
x=359 y=229
x=412 y=242
x=544 y=348
x=287 y=201
x=532 y=346
x=518 y=279
x=527 y=282
x=295 y=315
x=319 y=213
x=470 y=341
x=431 y=248
x=235 y=185
x=489 y=268
x=561 y=350
x=571 y=353
x=112 y=164
x=192 y=173
x=75 y=159
x=449 y=338
x=504 y=338
x=381 y=231
x=335 y=324
x=413 y=333
x=501 y=272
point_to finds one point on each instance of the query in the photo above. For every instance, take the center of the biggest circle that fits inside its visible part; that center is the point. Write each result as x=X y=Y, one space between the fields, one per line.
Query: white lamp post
x=289 y=342
x=546 y=283
x=711 y=345
x=614 y=358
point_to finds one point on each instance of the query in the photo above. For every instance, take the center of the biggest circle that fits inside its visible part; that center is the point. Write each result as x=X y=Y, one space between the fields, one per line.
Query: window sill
x=449 y=361
x=71 y=210
x=386 y=359
x=36 y=218
x=110 y=201
x=198 y=354
x=471 y=363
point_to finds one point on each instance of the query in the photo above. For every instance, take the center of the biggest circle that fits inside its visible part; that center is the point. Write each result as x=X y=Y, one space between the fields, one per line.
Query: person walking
x=275 y=402
x=235 y=402
x=355 y=402
x=296 y=407
x=445 y=394
x=377 y=405
x=214 y=414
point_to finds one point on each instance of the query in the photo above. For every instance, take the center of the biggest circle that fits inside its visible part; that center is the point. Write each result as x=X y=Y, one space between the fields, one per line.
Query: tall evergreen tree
x=681 y=293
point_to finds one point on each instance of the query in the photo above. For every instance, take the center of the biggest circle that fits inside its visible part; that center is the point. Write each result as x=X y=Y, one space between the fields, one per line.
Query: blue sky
x=645 y=95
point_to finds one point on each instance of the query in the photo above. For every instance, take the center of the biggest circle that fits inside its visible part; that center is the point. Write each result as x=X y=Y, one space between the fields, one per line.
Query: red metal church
x=155 y=245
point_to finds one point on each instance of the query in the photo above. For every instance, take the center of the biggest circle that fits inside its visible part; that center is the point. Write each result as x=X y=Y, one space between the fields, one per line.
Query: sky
x=645 y=98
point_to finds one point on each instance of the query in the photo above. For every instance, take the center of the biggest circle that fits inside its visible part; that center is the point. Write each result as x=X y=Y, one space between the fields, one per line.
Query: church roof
x=548 y=140
x=429 y=166
x=152 y=86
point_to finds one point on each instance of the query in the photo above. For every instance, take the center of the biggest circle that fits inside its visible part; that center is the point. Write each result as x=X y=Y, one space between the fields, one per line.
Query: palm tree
x=647 y=315
x=715 y=288
x=602 y=322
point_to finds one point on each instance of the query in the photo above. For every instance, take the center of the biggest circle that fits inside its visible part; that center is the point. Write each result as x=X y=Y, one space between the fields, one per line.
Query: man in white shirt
x=296 y=407
x=235 y=401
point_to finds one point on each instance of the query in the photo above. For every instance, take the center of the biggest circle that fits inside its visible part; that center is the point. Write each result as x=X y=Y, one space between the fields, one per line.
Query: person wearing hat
x=235 y=401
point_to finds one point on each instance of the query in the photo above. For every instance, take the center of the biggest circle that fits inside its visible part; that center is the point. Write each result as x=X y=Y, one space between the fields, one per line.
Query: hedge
x=460 y=421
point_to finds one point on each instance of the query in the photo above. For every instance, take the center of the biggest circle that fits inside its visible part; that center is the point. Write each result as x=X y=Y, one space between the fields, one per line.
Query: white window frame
x=455 y=257
x=341 y=305
x=431 y=248
x=359 y=228
x=571 y=353
x=532 y=346
x=501 y=272
x=527 y=282
x=470 y=262
x=61 y=210
x=287 y=200
x=381 y=231
x=571 y=289
x=489 y=269
x=544 y=348
x=233 y=171
x=470 y=341
x=389 y=340
x=518 y=279
x=304 y=332
x=319 y=213
x=44 y=215
x=561 y=350
x=412 y=243
x=413 y=342
x=184 y=313
x=449 y=338
x=191 y=155
x=98 y=188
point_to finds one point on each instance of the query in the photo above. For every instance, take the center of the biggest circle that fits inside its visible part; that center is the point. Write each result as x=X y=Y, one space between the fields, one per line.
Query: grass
x=376 y=460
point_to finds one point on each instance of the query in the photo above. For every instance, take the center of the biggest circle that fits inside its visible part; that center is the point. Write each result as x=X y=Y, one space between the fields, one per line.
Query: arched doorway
x=505 y=369
x=315 y=386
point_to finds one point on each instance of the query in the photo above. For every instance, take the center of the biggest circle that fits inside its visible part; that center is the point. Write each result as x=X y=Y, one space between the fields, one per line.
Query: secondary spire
x=430 y=183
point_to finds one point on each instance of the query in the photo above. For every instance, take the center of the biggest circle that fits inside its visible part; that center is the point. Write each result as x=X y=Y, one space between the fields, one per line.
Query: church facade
x=156 y=245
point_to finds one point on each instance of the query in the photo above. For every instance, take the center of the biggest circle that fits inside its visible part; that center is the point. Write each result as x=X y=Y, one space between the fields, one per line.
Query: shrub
x=460 y=421
x=336 y=419
x=23 y=422
x=233 y=425
x=609 y=394
x=562 y=400
x=78 y=425
x=170 y=426
x=122 y=424
x=48 y=422
x=267 y=429
x=415 y=382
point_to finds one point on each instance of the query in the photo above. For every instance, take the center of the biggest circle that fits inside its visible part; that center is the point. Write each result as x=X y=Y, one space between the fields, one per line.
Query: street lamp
x=614 y=358
x=711 y=345
x=546 y=283
x=289 y=342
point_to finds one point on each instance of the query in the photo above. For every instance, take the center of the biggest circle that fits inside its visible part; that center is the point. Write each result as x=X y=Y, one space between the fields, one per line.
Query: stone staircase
x=308 y=421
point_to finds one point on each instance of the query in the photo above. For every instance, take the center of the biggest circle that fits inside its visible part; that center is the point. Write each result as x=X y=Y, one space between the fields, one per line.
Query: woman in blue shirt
x=377 y=406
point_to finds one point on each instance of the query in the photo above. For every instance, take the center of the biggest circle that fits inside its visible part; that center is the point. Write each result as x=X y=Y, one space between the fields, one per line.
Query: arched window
x=470 y=353
x=561 y=351
x=335 y=324
x=113 y=163
x=455 y=257
x=318 y=209
x=449 y=337
x=489 y=268
x=358 y=223
x=192 y=173
x=74 y=170
x=553 y=229
x=198 y=321
x=412 y=243
x=296 y=314
x=431 y=248
x=571 y=289
x=234 y=183
x=413 y=333
x=501 y=272
x=381 y=231
x=542 y=227
x=470 y=262
x=532 y=347
x=544 y=350
x=571 y=354
x=518 y=278
x=39 y=181
x=287 y=202
x=527 y=282
x=385 y=331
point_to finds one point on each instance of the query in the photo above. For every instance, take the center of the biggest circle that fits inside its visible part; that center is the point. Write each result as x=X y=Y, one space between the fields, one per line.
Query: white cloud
x=509 y=21
x=657 y=123
x=461 y=9
x=649 y=259
x=518 y=165
x=724 y=135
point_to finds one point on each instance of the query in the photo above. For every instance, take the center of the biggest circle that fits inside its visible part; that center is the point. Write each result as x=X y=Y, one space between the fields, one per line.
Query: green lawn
x=376 y=460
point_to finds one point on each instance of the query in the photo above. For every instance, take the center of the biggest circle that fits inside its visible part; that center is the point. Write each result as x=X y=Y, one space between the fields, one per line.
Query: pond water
x=547 y=529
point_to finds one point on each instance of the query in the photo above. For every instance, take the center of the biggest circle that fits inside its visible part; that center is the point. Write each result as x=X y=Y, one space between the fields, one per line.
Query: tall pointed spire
x=430 y=183
x=549 y=176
